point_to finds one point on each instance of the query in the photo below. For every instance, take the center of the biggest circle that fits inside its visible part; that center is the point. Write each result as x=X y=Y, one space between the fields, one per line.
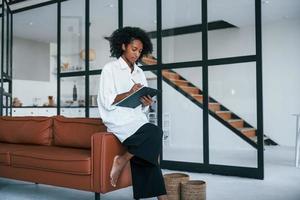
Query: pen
x=133 y=81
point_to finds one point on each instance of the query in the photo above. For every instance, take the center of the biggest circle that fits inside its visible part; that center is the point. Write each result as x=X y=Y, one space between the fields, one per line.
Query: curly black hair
x=125 y=36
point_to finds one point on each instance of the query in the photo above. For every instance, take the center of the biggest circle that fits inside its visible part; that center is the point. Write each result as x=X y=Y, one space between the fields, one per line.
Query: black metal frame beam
x=6 y=64
x=2 y=63
x=37 y=6
x=192 y=29
x=58 y=56
x=211 y=168
x=259 y=89
x=87 y=56
x=10 y=86
x=205 y=83
x=200 y=63
x=11 y=2
x=159 y=64
x=120 y=15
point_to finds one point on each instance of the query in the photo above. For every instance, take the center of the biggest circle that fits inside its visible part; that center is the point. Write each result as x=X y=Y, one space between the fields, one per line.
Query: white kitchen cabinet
x=33 y=111
x=47 y=111
x=73 y=112
x=67 y=112
x=25 y=112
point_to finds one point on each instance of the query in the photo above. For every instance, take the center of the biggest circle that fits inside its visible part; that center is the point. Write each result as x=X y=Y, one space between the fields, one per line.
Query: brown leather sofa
x=68 y=152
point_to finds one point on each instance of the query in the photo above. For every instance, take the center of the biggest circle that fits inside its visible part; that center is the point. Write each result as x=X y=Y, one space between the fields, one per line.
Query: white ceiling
x=40 y=24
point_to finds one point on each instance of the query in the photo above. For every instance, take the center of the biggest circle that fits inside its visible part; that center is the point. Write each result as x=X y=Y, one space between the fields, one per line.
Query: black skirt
x=145 y=144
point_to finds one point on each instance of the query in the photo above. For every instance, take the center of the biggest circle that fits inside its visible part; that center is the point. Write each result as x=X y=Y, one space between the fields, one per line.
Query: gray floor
x=282 y=181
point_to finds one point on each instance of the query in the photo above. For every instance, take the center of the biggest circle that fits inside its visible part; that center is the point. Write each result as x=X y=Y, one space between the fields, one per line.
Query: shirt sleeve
x=107 y=91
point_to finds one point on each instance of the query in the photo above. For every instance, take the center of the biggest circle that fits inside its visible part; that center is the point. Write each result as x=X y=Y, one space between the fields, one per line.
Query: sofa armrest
x=105 y=146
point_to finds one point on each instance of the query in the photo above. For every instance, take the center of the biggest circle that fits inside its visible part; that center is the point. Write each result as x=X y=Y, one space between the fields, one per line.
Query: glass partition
x=232 y=115
x=72 y=36
x=1 y=18
x=182 y=115
x=5 y=37
x=146 y=9
x=9 y=45
x=131 y=17
x=151 y=77
x=73 y=96
x=94 y=90
x=232 y=41
x=5 y=72
x=232 y=100
x=103 y=21
x=182 y=17
x=35 y=50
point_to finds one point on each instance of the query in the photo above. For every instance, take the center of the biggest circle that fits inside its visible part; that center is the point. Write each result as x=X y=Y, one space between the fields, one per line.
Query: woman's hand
x=146 y=100
x=135 y=87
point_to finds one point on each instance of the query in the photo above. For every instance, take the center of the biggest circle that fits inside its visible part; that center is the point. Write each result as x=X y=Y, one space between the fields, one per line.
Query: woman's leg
x=145 y=147
x=147 y=179
x=118 y=165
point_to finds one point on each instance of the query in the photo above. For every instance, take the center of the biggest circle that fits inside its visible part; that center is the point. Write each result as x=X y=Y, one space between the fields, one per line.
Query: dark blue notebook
x=134 y=100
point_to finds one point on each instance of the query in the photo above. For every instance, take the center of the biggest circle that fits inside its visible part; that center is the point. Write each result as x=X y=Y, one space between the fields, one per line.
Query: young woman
x=142 y=139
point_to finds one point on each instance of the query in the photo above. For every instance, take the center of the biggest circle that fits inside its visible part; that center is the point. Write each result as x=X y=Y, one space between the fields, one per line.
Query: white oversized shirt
x=116 y=78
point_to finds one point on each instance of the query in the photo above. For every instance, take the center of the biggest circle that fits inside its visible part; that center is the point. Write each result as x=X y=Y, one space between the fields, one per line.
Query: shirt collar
x=124 y=65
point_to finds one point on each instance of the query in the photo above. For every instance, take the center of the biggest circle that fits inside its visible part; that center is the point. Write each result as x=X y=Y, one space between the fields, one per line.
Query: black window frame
x=205 y=63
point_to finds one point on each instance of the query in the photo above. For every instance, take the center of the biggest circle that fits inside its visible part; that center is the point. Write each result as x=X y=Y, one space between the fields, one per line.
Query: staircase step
x=254 y=138
x=198 y=97
x=226 y=115
x=236 y=123
x=170 y=75
x=214 y=106
x=190 y=90
x=249 y=132
x=180 y=82
x=149 y=60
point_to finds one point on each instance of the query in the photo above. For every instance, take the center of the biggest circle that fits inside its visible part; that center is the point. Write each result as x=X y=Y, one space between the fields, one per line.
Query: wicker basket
x=193 y=190
x=172 y=182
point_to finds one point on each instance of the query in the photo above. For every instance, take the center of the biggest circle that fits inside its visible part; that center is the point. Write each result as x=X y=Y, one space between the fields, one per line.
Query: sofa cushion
x=76 y=132
x=55 y=159
x=26 y=130
x=6 y=149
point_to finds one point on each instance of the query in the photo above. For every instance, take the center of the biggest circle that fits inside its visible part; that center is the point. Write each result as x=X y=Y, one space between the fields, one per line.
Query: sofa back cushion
x=26 y=130
x=75 y=132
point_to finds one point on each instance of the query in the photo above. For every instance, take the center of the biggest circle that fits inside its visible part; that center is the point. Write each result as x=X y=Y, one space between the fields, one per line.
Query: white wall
x=71 y=54
x=31 y=56
x=28 y=90
x=235 y=87
x=281 y=73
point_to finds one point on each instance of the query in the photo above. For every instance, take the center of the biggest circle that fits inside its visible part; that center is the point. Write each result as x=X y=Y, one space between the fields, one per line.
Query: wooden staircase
x=229 y=119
